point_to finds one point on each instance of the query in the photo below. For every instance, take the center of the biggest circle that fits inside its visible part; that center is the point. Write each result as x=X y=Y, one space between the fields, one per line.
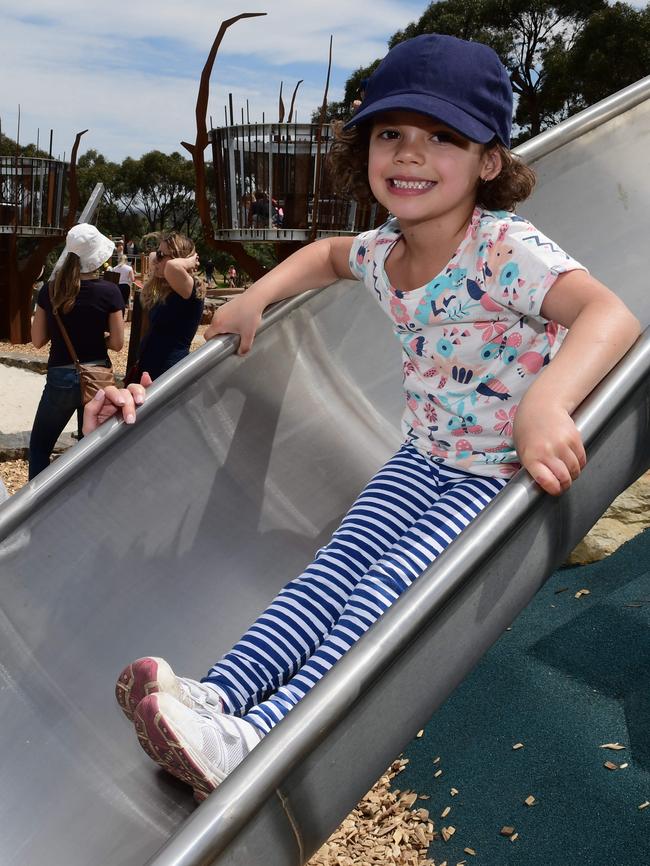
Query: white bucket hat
x=93 y=249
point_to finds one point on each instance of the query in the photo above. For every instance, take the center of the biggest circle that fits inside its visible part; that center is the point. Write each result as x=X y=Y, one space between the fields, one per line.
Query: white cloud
x=131 y=76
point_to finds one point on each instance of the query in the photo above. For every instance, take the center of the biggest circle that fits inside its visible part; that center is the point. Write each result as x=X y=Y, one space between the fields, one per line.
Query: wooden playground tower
x=285 y=162
x=38 y=205
x=282 y=163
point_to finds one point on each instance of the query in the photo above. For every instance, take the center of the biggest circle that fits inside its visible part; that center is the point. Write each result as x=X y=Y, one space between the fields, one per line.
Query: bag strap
x=64 y=333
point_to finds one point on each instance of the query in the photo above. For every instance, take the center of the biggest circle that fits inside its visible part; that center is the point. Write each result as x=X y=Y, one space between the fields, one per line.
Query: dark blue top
x=86 y=323
x=172 y=326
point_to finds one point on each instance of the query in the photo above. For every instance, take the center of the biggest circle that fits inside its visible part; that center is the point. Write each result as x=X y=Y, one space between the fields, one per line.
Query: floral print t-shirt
x=473 y=339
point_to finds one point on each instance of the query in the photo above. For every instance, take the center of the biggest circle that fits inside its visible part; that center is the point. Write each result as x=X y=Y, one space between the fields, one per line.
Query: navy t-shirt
x=172 y=326
x=86 y=323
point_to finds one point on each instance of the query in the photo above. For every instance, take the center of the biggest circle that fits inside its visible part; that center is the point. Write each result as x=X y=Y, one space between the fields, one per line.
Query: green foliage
x=353 y=90
x=612 y=51
x=8 y=148
x=562 y=55
x=150 y=194
x=264 y=253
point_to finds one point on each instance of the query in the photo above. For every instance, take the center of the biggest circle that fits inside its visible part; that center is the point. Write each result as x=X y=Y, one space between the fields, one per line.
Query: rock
x=625 y=518
x=26 y=362
x=15 y=446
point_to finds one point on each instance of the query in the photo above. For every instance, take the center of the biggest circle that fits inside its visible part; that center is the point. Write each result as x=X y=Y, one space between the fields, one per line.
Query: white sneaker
x=150 y=675
x=198 y=749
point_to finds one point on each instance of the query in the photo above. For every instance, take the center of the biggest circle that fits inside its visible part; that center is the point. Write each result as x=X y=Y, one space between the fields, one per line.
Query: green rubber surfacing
x=570 y=675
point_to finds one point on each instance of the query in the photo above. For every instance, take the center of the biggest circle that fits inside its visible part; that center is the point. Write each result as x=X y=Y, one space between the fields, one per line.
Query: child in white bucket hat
x=91 y=311
x=90 y=245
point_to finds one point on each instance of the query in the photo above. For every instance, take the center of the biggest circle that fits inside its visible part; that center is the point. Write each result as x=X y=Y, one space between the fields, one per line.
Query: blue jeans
x=61 y=398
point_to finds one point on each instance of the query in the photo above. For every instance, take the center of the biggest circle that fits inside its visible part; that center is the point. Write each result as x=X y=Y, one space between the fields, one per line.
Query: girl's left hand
x=549 y=447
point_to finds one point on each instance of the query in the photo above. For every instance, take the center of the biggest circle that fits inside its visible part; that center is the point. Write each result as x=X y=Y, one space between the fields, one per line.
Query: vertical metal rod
x=232 y=116
x=270 y=183
x=32 y=204
x=249 y=161
x=16 y=157
x=232 y=177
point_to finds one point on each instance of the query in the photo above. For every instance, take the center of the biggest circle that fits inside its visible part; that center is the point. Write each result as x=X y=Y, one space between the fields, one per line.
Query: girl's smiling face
x=420 y=169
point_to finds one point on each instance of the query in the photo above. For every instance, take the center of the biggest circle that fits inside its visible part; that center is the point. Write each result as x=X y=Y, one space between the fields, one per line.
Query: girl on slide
x=480 y=301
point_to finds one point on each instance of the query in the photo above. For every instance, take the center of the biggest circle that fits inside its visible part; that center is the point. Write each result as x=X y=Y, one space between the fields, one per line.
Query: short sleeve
x=115 y=301
x=43 y=299
x=361 y=253
x=522 y=264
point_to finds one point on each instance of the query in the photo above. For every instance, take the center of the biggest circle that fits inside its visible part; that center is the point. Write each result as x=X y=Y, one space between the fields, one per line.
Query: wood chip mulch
x=382 y=829
x=14 y=474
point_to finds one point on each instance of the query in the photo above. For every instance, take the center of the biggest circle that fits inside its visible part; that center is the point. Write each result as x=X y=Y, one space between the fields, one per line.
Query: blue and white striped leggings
x=408 y=514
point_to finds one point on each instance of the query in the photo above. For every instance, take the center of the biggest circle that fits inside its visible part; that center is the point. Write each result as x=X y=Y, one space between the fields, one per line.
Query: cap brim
x=430 y=106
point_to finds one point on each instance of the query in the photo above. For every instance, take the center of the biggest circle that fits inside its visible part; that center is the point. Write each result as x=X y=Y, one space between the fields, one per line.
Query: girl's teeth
x=412 y=184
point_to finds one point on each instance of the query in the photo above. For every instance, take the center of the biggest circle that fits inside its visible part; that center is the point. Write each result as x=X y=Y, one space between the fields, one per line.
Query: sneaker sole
x=165 y=746
x=138 y=680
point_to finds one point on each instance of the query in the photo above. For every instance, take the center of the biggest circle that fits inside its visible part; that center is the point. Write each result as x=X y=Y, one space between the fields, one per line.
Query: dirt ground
x=14 y=474
x=118 y=359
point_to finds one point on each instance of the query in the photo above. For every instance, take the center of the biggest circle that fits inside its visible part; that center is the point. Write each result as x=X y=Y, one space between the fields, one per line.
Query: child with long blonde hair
x=173 y=298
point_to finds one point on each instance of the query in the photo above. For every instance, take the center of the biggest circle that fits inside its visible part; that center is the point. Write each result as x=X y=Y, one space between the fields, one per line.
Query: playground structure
x=282 y=166
x=38 y=205
x=272 y=184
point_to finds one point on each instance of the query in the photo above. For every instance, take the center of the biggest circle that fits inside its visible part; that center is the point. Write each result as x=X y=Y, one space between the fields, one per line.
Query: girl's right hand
x=242 y=316
x=191 y=263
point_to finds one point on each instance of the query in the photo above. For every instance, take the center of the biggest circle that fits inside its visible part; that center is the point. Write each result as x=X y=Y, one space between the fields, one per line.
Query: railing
x=32 y=195
x=272 y=182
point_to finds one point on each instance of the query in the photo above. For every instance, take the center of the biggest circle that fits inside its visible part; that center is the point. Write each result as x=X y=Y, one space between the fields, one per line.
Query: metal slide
x=169 y=537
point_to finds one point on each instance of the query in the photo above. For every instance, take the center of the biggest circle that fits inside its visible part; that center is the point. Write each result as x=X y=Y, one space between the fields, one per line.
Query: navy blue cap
x=462 y=84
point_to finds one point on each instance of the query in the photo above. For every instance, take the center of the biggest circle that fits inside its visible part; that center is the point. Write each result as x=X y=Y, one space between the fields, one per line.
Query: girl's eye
x=389 y=134
x=443 y=137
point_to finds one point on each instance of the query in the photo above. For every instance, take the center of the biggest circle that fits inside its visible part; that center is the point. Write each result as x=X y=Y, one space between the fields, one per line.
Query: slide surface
x=169 y=537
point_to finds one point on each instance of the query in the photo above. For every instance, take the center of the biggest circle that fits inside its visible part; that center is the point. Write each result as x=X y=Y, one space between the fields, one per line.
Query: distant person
x=209 y=271
x=91 y=309
x=174 y=300
x=119 y=251
x=260 y=210
x=469 y=288
x=131 y=250
x=231 y=277
x=127 y=276
x=278 y=214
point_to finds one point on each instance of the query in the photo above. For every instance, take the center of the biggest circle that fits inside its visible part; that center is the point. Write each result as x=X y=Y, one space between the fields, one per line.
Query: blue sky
x=129 y=72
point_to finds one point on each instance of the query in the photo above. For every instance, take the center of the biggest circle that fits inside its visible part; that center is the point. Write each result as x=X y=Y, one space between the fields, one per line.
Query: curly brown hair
x=348 y=165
